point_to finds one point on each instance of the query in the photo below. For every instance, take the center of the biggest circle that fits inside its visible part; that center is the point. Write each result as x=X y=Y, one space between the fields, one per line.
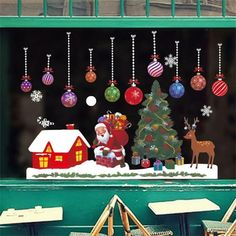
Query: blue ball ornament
x=176 y=90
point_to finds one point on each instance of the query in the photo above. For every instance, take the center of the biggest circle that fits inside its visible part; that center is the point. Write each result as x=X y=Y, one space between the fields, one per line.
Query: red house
x=59 y=149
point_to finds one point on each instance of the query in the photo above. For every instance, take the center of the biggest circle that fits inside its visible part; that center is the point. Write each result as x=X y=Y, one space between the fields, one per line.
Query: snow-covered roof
x=60 y=140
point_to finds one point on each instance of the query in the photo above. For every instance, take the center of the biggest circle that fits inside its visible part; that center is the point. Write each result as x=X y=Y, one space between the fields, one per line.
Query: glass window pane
x=32 y=7
x=230 y=8
x=58 y=8
x=185 y=8
x=135 y=7
x=160 y=8
x=82 y=8
x=211 y=8
x=8 y=7
x=109 y=8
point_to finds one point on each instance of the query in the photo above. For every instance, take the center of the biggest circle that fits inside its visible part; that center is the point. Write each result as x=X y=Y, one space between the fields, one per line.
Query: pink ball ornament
x=219 y=88
x=26 y=86
x=155 y=69
x=133 y=95
x=47 y=78
x=69 y=99
x=198 y=82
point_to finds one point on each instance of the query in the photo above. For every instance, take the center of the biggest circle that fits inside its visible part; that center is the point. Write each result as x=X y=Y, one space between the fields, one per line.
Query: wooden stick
x=229 y=212
x=124 y=219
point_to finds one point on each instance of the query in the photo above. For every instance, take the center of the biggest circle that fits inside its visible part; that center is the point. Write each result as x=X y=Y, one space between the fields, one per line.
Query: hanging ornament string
x=219 y=87
x=48 y=78
x=176 y=89
x=68 y=99
x=155 y=68
x=133 y=95
x=90 y=76
x=26 y=86
x=198 y=82
x=112 y=93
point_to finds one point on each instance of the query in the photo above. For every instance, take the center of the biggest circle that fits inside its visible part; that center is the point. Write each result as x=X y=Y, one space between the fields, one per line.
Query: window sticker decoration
x=48 y=78
x=90 y=76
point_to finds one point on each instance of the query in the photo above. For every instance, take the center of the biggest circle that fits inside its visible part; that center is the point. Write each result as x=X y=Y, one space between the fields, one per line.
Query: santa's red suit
x=112 y=145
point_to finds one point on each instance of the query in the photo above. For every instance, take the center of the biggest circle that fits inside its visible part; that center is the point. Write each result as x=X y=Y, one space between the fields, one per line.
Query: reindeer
x=199 y=146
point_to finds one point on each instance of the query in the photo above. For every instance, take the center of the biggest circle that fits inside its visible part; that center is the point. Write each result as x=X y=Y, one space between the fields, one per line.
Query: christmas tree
x=155 y=137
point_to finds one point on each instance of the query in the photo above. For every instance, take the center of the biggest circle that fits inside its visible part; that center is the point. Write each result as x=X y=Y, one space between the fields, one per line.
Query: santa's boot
x=122 y=162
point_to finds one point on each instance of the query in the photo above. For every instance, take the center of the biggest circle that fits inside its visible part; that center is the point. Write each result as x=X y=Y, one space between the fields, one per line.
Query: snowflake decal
x=171 y=61
x=206 y=110
x=36 y=96
x=44 y=122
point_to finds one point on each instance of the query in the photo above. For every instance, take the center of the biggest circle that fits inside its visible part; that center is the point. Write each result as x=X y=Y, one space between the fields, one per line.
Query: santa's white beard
x=104 y=138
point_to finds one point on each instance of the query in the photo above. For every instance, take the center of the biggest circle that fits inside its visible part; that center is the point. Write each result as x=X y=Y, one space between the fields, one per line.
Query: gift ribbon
x=133 y=81
x=90 y=68
x=112 y=82
x=220 y=76
x=155 y=57
x=25 y=77
x=48 y=70
x=69 y=87
x=198 y=69
x=177 y=78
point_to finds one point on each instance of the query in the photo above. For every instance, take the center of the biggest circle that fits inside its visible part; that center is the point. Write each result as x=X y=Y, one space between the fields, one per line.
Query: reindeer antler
x=196 y=120
x=187 y=125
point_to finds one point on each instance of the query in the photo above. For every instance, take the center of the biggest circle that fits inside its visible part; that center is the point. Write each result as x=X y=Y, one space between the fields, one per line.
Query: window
x=78 y=156
x=48 y=149
x=59 y=158
x=43 y=162
x=78 y=143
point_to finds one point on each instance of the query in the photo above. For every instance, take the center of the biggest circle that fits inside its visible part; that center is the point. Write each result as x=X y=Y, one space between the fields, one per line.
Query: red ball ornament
x=145 y=163
x=149 y=138
x=219 y=88
x=90 y=76
x=153 y=108
x=133 y=95
x=198 y=82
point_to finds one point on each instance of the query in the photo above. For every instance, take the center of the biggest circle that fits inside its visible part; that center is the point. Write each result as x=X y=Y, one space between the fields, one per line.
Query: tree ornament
x=155 y=68
x=69 y=98
x=112 y=93
x=145 y=163
x=149 y=138
x=90 y=76
x=48 y=78
x=198 y=82
x=219 y=87
x=133 y=95
x=153 y=108
x=26 y=86
x=155 y=126
x=176 y=90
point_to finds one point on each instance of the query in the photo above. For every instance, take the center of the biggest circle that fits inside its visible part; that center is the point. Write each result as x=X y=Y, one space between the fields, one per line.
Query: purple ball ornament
x=48 y=78
x=26 y=86
x=155 y=68
x=69 y=98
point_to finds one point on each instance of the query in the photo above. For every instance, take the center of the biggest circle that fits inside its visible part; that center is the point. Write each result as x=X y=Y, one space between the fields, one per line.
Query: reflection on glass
x=185 y=7
x=230 y=8
x=32 y=7
x=211 y=8
x=135 y=7
x=82 y=8
x=109 y=8
x=8 y=7
x=160 y=7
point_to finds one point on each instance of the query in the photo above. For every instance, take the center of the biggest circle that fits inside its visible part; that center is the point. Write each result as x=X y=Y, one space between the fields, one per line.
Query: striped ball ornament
x=155 y=69
x=47 y=78
x=219 y=88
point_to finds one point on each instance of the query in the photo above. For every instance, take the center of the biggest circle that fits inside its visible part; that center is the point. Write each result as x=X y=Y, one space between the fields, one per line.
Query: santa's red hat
x=101 y=124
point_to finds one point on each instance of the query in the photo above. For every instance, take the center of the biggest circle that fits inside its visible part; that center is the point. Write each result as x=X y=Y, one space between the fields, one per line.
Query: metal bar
x=114 y=22
x=122 y=8
x=96 y=4
x=19 y=7
x=198 y=8
x=173 y=8
x=70 y=8
x=147 y=8
x=223 y=8
x=45 y=8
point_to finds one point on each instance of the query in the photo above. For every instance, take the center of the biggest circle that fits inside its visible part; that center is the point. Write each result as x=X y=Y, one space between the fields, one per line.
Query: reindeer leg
x=209 y=160
x=197 y=160
x=212 y=159
x=193 y=157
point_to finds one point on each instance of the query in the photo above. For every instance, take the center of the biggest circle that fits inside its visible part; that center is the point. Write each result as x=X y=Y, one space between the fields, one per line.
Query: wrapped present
x=169 y=164
x=157 y=165
x=135 y=160
x=179 y=160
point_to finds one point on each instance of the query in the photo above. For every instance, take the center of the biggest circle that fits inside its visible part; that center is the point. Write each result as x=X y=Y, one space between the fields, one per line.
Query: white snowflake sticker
x=36 y=96
x=44 y=122
x=171 y=61
x=206 y=110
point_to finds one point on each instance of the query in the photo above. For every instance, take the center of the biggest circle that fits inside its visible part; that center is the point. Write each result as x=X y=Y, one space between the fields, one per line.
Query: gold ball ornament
x=155 y=149
x=155 y=126
x=90 y=76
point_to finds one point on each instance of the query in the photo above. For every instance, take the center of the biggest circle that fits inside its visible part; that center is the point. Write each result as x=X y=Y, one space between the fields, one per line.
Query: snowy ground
x=90 y=170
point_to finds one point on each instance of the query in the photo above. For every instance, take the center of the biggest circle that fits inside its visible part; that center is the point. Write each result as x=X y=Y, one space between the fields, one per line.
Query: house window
x=78 y=144
x=78 y=156
x=48 y=149
x=43 y=162
x=59 y=158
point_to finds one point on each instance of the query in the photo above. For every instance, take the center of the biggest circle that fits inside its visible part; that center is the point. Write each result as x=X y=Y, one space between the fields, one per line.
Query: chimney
x=70 y=126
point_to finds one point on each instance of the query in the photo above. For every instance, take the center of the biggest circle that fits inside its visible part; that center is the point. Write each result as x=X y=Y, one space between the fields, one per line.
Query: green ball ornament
x=112 y=94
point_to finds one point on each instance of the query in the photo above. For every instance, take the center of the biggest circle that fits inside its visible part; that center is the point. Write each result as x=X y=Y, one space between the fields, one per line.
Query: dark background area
x=19 y=114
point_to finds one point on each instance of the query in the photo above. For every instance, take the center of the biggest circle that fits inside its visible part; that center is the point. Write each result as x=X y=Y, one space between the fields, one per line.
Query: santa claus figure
x=110 y=142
